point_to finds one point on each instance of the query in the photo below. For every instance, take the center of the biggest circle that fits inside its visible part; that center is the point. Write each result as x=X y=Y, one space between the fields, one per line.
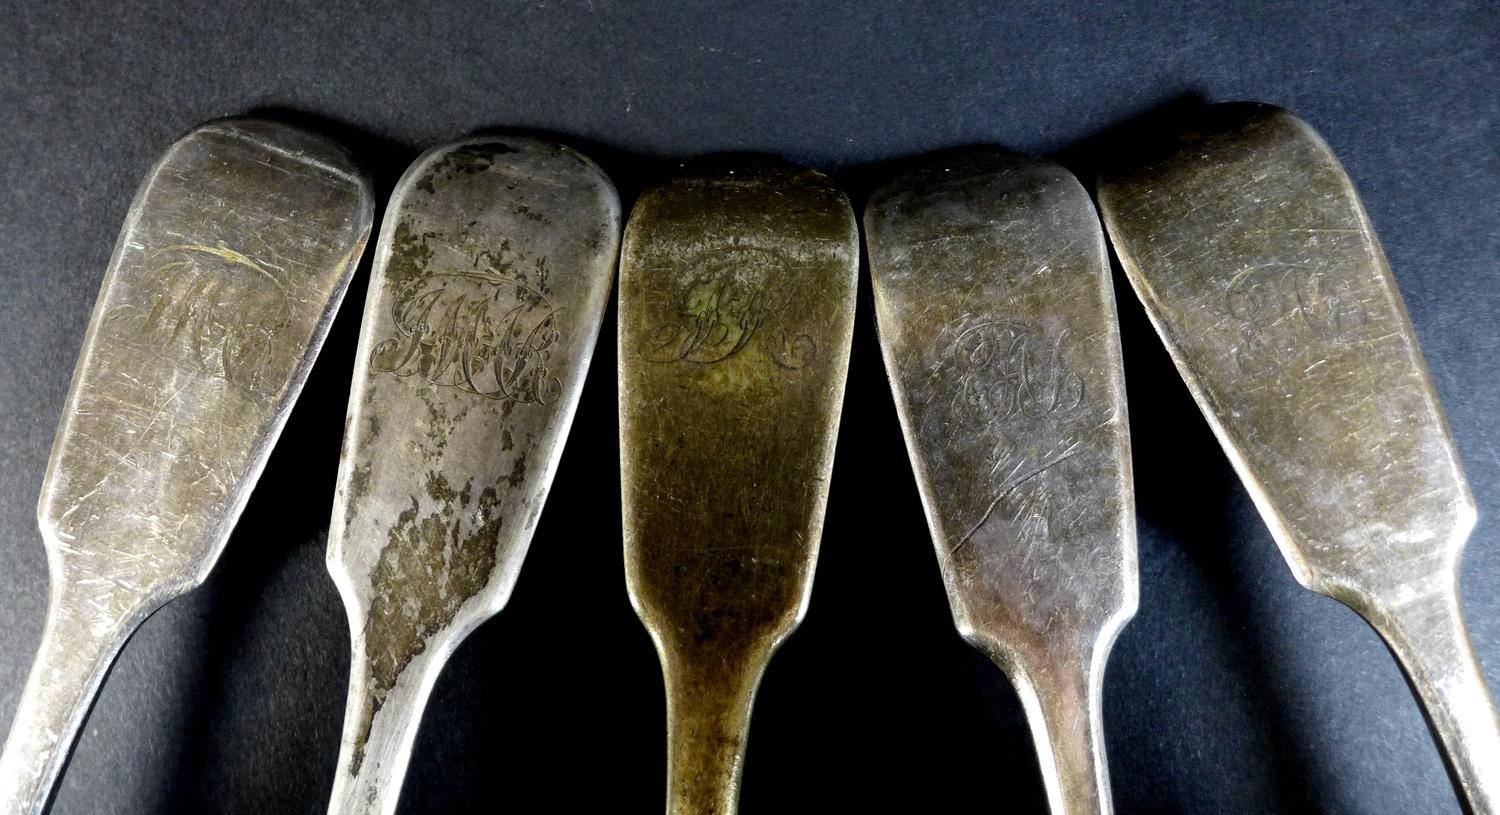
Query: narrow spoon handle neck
x=380 y=729
x=1063 y=703
x=708 y=723
x=1430 y=641
x=79 y=643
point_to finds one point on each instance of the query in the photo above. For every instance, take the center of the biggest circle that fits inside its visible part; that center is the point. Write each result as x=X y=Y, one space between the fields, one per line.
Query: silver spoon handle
x=379 y=732
x=1429 y=639
x=79 y=643
x=1063 y=700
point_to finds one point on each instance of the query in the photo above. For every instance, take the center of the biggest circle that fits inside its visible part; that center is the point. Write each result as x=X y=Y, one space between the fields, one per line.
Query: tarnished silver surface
x=1250 y=250
x=997 y=320
x=494 y=268
x=737 y=292
x=234 y=257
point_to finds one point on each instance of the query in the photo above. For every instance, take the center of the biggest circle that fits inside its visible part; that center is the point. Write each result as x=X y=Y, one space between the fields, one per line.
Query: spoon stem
x=1063 y=699
x=708 y=723
x=82 y=636
x=1428 y=637
x=379 y=732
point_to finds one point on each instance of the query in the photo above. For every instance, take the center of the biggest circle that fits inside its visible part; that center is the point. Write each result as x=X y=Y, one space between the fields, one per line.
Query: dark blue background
x=1233 y=691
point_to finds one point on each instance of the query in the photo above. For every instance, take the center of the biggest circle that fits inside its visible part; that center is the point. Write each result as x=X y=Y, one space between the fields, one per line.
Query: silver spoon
x=996 y=316
x=234 y=257
x=493 y=271
x=1249 y=249
x=737 y=292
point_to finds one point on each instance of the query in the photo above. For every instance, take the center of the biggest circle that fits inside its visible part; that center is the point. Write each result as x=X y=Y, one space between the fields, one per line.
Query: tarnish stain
x=443 y=416
x=359 y=487
x=466 y=160
x=439 y=553
x=409 y=253
x=518 y=471
x=359 y=482
x=530 y=214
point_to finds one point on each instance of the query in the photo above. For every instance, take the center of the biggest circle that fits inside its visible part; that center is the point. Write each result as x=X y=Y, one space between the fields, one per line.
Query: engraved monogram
x=482 y=332
x=1008 y=376
x=732 y=295
x=1011 y=369
x=1280 y=304
x=220 y=306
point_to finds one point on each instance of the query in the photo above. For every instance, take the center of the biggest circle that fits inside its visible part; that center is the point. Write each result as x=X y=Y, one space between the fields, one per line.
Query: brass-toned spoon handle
x=1428 y=637
x=79 y=643
x=737 y=296
x=708 y=721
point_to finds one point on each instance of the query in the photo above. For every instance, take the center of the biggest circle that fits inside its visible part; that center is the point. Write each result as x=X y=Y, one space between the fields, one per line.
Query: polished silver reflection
x=494 y=268
x=234 y=257
x=997 y=319
x=1250 y=250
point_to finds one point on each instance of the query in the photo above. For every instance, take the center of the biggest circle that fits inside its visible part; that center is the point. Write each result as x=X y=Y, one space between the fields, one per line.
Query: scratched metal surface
x=234 y=257
x=737 y=297
x=1254 y=259
x=495 y=263
x=996 y=315
x=1233 y=690
x=232 y=262
x=1264 y=275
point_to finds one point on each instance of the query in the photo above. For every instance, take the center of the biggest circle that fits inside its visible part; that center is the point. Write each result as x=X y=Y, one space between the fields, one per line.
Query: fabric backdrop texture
x=1232 y=691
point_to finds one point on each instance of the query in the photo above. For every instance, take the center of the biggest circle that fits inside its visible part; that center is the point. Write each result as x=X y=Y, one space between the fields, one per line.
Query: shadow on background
x=875 y=698
x=559 y=704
